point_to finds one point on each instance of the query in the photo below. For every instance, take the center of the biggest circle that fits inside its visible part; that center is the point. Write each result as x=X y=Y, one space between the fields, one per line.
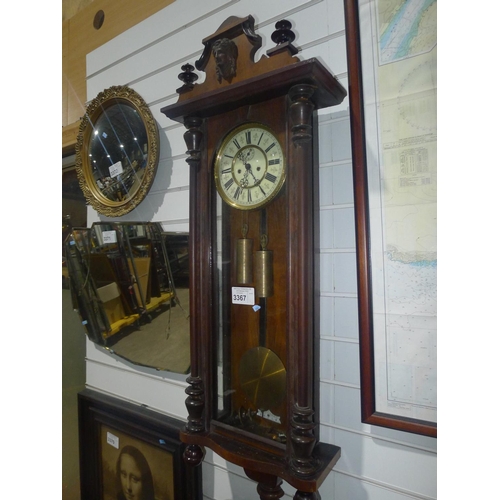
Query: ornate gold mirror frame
x=117 y=151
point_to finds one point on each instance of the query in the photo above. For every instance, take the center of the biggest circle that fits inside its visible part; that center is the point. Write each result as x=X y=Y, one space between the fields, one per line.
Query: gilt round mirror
x=117 y=151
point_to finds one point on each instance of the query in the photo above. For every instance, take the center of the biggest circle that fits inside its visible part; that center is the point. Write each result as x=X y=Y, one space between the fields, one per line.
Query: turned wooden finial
x=283 y=38
x=187 y=77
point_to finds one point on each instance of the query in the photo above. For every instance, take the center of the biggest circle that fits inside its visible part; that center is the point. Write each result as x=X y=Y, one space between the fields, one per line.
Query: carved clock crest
x=225 y=54
x=253 y=392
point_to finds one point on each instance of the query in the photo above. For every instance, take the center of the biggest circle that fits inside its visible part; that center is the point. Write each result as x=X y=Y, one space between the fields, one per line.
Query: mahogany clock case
x=272 y=431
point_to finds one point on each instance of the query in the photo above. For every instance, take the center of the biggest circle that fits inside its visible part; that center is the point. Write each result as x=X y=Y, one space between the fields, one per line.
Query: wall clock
x=251 y=137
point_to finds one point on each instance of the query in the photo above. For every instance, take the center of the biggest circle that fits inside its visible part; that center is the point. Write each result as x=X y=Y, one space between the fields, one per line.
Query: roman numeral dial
x=249 y=167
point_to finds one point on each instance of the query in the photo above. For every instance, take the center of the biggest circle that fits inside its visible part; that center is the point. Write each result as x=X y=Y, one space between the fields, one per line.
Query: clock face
x=249 y=167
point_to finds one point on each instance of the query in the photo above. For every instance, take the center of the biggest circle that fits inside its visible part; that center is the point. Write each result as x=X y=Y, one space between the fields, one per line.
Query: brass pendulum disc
x=263 y=378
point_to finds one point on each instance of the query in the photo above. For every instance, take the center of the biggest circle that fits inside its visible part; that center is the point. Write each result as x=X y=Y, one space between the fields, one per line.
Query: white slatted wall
x=376 y=463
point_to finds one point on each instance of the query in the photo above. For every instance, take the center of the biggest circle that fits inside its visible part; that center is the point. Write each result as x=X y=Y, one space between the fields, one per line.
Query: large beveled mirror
x=117 y=151
x=129 y=282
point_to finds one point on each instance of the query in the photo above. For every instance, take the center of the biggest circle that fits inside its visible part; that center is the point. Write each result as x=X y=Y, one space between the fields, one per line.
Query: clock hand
x=244 y=180
x=246 y=155
x=249 y=171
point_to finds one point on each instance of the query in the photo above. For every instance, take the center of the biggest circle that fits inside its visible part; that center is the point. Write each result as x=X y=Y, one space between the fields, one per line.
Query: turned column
x=195 y=402
x=301 y=314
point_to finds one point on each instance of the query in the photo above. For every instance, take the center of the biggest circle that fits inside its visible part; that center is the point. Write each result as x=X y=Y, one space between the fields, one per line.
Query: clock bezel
x=218 y=158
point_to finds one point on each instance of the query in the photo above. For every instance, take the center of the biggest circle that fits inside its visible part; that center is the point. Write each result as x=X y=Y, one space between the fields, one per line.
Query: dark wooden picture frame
x=369 y=414
x=110 y=428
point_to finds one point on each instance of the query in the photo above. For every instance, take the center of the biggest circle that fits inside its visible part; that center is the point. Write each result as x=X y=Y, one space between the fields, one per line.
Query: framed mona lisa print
x=132 y=468
x=130 y=452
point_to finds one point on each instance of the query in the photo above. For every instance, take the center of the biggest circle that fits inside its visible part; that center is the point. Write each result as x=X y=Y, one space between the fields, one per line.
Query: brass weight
x=263 y=270
x=244 y=249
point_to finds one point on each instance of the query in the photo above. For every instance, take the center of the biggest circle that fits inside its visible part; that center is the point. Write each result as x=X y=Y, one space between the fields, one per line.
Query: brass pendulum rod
x=263 y=269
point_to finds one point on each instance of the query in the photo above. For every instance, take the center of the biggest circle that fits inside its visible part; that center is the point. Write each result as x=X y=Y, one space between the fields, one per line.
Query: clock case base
x=277 y=84
x=261 y=461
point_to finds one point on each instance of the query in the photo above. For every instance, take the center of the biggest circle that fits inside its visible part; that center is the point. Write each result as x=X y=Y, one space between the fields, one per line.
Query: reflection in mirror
x=129 y=284
x=117 y=151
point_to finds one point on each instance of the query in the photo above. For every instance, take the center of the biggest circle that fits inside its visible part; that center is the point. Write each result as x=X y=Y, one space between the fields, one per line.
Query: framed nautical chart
x=392 y=53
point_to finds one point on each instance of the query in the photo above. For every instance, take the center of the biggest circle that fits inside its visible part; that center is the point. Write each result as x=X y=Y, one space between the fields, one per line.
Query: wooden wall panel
x=72 y=7
x=65 y=30
x=69 y=136
x=79 y=37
